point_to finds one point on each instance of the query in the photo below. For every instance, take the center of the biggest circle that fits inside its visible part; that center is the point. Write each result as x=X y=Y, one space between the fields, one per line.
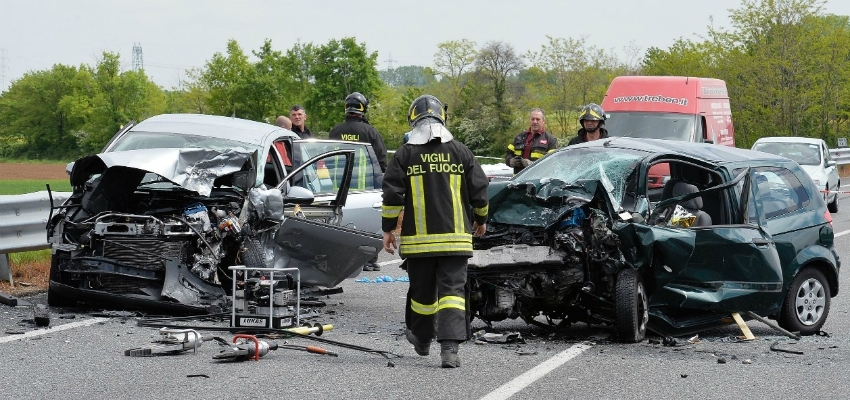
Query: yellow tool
x=306 y=330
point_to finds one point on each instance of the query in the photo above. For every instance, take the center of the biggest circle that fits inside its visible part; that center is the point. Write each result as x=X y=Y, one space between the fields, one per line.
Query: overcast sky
x=176 y=35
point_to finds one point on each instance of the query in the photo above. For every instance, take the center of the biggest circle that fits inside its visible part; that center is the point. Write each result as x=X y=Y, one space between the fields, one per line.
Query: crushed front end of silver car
x=158 y=229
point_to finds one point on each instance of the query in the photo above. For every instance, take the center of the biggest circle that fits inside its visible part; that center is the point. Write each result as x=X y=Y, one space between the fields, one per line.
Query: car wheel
x=833 y=206
x=806 y=304
x=55 y=299
x=254 y=257
x=632 y=305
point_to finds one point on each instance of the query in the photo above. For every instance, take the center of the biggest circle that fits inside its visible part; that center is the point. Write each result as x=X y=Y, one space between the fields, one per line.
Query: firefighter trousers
x=436 y=299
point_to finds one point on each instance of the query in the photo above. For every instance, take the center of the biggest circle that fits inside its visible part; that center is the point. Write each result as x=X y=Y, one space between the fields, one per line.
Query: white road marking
x=514 y=386
x=390 y=262
x=39 y=332
x=839 y=234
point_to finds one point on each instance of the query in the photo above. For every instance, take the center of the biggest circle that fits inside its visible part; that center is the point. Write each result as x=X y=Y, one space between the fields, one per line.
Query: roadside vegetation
x=786 y=64
x=20 y=186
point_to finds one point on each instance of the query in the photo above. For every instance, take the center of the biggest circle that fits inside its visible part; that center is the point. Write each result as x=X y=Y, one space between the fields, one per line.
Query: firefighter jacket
x=542 y=143
x=442 y=189
x=357 y=129
x=582 y=136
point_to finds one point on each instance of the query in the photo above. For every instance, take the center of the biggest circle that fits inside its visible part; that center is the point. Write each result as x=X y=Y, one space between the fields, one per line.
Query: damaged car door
x=324 y=252
x=734 y=267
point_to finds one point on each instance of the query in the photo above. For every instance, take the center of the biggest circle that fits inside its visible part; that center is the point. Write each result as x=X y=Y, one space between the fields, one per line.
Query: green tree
x=41 y=111
x=119 y=98
x=341 y=68
x=298 y=66
x=223 y=75
x=496 y=63
x=408 y=75
x=453 y=62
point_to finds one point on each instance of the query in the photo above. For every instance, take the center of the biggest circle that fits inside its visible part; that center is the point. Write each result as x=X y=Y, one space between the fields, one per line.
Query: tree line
x=786 y=64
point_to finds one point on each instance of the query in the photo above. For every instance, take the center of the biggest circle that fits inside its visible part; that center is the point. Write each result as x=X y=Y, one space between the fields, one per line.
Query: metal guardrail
x=840 y=155
x=23 y=219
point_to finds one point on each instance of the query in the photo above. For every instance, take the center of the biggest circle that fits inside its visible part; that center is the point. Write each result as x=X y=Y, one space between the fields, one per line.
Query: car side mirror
x=298 y=195
x=831 y=163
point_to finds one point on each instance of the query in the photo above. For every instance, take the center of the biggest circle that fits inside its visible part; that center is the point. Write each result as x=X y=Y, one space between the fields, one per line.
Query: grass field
x=21 y=186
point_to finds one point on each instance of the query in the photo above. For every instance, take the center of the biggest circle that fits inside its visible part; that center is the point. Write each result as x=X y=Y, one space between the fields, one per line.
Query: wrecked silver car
x=580 y=235
x=157 y=218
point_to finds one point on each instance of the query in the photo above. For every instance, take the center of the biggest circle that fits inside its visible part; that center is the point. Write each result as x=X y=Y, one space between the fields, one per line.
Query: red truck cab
x=669 y=107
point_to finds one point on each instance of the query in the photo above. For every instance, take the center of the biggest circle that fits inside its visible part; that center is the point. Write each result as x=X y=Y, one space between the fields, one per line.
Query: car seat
x=694 y=206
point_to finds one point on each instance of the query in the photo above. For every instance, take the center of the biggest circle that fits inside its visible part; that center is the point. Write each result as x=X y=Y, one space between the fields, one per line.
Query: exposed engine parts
x=567 y=272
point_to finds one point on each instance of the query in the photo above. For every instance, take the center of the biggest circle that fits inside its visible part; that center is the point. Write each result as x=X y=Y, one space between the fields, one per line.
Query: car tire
x=807 y=302
x=55 y=299
x=254 y=257
x=632 y=306
x=833 y=206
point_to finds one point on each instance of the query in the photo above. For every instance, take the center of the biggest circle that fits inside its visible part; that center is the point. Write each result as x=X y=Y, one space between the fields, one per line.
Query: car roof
x=788 y=139
x=241 y=130
x=709 y=152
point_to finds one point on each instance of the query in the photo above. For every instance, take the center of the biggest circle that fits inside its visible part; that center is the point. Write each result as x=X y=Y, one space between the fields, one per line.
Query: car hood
x=544 y=204
x=815 y=172
x=192 y=169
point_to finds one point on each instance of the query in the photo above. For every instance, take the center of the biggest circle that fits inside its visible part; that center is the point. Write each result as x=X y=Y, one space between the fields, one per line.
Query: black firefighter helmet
x=592 y=112
x=356 y=103
x=426 y=106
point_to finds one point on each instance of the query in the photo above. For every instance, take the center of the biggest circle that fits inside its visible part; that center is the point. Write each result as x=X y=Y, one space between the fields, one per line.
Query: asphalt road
x=82 y=356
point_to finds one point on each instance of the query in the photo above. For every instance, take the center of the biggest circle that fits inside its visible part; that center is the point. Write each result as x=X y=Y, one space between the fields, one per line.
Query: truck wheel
x=833 y=206
x=632 y=306
x=55 y=299
x=806 y=304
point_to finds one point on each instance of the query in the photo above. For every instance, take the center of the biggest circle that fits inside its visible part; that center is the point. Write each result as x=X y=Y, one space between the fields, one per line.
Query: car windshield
x=165 y=140
x=668 y=126
x=613 y=167
x=802 y=153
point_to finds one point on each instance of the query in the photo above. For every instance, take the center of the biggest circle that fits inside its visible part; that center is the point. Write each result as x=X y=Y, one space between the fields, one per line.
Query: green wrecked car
x=581 y=236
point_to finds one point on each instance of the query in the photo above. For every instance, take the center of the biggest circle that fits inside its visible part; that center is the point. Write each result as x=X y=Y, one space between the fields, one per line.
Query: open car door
x=733 y=267
x=324 y=252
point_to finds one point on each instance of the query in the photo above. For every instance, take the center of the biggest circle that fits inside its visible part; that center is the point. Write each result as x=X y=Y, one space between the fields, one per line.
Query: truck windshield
x=653 y=125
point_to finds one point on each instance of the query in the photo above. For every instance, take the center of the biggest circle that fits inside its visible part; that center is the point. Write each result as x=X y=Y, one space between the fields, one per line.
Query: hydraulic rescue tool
x=173 y=341
x=244 y=347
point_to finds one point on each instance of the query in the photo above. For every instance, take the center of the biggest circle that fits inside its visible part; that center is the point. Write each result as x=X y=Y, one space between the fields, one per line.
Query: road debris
x=508 y=337
x=40 y=315
x=774 y=348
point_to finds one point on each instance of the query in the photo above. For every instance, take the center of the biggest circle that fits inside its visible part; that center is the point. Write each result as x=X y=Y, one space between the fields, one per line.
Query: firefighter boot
x=423 y=348
x=448 y=353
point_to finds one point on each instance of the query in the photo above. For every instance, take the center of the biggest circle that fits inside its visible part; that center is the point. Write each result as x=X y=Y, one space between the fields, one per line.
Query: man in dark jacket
x=356 y=127
x=532 y=144
x=442 y=190
x=592 y=120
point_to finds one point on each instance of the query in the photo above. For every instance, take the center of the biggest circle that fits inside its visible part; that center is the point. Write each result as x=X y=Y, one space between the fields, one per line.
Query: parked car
x=155 y=220
x=581 y=235
x=813 y=156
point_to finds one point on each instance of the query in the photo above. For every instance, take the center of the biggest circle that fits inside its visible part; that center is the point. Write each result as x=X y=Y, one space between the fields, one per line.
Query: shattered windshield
x=802 y=153
x=654 y=125
x=165 y=140
x=611 y=166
